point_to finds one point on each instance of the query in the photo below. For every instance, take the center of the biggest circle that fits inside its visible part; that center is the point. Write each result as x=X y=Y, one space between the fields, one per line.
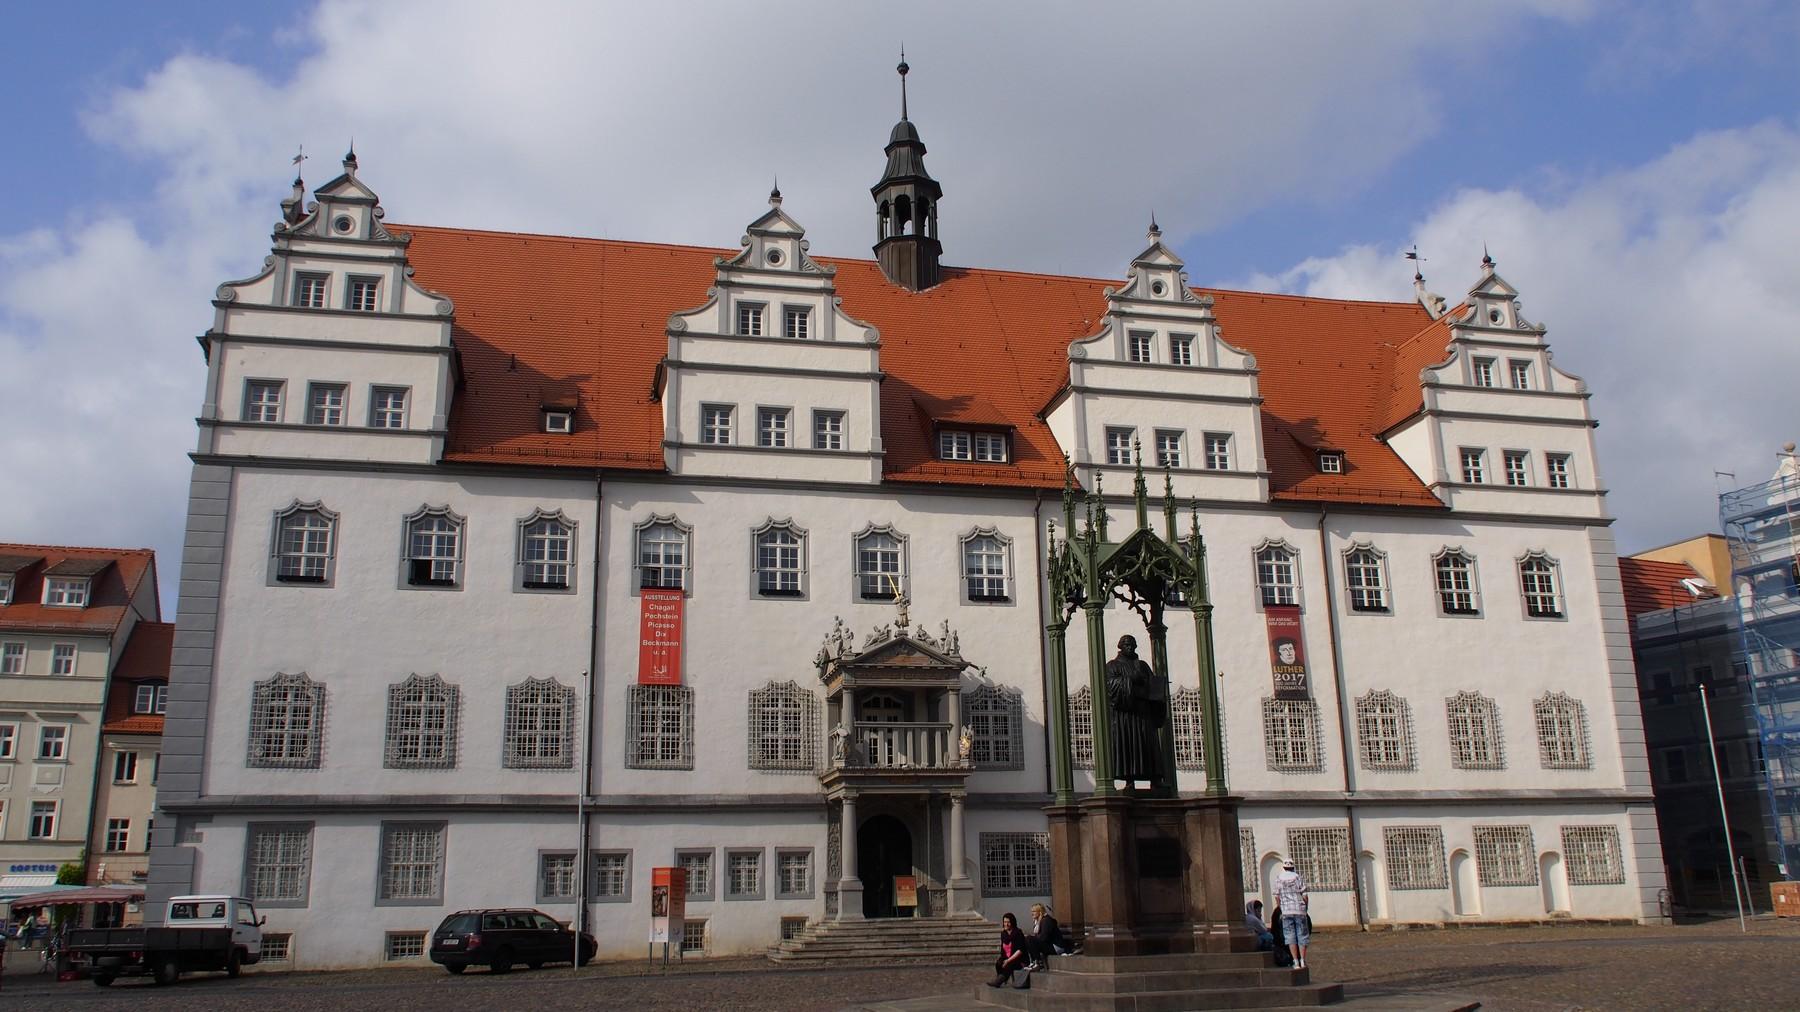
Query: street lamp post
x=1737 y=889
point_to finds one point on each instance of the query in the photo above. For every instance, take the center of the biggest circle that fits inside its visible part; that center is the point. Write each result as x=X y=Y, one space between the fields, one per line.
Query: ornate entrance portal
x=884 y=851
x=899 y=753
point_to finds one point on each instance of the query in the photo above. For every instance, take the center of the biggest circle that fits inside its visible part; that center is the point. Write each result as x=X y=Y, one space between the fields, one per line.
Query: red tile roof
x=1653 y=586
x=121 y=574
x=537 y=313
x=144 y=659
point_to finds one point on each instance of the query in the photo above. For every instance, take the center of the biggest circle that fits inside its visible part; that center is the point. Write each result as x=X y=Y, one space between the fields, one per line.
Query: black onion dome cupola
x=906 y=207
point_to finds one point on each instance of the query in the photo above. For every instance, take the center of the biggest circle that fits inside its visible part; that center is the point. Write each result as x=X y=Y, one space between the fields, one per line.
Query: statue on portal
x=1140 y=703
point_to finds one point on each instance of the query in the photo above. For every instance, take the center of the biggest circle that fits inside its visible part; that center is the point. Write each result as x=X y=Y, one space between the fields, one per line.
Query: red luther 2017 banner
x=1287 y=651
x=659 y=637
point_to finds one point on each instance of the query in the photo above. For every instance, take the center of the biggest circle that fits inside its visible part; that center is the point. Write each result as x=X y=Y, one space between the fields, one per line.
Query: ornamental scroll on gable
x=890 y=648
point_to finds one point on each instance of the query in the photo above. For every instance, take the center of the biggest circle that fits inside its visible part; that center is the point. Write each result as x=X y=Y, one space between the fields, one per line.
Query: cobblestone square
x=1535 y=969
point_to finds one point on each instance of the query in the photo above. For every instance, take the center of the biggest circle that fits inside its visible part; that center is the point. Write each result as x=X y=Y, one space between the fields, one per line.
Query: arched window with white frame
x=434 y=547
x=1453 y=574
x=1541 y=586
x=987 y=573
x=1277 y=573
x=304 y=545
x=546 y=551
x=783 y=723
x=1365 y=579
x=663 y=559
x=1562 y=732
x=778 y=559
x=880 y=554
x=287 y=722
x=1384 y=731
x=539 y=725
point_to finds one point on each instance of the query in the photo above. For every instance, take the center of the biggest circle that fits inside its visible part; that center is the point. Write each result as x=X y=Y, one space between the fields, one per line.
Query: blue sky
x=1635 y=168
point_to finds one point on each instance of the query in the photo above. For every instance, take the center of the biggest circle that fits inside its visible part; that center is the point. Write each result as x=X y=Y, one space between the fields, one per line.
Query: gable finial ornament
x=1487 y=260
x=903 y=68
x=1155 y=230
x=775 y=193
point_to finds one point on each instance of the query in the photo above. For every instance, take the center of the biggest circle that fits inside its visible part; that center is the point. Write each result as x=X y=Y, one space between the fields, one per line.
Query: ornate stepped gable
x=593 y=312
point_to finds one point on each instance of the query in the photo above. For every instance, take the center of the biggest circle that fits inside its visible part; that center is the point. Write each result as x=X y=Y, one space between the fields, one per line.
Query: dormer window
x=362 y=294
x=750 y=320
x=991 y=447
x=1331 y=462
x=6 y=588
x=63 y=592
x=152 y=698
x=954 y=445
x=309 y=290
x=559 y=420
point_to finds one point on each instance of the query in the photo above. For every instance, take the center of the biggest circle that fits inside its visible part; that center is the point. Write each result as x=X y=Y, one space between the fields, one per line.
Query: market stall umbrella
x=81 y=894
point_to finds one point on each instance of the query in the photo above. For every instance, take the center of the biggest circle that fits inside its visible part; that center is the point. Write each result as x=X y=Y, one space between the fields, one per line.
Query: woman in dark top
x=1046 y=937
x=1012 y=951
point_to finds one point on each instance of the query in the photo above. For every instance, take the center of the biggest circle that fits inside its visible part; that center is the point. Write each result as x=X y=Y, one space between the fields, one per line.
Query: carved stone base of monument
x=1154 y=889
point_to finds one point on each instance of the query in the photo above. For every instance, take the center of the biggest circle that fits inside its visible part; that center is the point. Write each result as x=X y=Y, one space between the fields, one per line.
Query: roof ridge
x=5 y=546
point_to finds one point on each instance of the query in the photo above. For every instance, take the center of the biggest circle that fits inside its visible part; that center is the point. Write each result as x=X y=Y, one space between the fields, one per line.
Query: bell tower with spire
x=906 y=207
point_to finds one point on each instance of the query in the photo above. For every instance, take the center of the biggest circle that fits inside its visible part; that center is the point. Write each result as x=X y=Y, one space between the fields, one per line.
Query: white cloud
x=1668 y=287
x=1055 y=128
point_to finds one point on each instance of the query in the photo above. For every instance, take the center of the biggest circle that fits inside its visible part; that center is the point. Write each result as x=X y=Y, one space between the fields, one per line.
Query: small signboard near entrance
x=668 y=904
x=906 y=891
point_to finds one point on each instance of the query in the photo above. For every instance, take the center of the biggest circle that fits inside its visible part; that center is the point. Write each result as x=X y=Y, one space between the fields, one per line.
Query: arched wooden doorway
x=883 y=850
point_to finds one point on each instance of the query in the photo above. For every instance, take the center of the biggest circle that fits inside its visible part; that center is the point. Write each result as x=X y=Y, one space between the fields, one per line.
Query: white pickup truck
x=199 y=933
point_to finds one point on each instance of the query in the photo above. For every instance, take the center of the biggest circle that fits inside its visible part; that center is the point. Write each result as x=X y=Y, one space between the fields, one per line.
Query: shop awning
x=25 y=882
x=60 y=895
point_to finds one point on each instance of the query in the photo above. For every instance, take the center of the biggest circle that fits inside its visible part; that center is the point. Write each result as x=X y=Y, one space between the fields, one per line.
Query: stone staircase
x=964 y=938
x=1226 y=980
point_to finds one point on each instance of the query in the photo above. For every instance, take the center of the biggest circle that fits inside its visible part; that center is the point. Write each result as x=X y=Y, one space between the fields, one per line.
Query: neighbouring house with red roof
x=131 y=757
x=1685 y=637
x=67 y=616
x=484 y=524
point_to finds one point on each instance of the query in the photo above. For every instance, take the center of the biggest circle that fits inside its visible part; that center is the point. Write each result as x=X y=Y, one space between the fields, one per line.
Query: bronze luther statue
x=1140 y=703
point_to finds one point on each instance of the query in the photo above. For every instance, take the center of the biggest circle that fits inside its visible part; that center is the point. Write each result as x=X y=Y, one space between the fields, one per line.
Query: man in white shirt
x=1290 y=896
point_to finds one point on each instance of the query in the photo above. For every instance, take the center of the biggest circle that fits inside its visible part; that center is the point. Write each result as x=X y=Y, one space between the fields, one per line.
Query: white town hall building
x=442 y=474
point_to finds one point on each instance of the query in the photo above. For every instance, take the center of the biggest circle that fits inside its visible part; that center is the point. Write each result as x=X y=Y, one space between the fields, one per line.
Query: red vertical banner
x=1287 y=651
x=659 y=636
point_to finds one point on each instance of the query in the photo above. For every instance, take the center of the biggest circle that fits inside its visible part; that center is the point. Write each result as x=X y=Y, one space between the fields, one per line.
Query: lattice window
x=277 y=947
x=1181 y=349
x=1518 y=471
x=783 y=723
x=780 y=560
x=880 y=564
x=1081 y=728
x=715 y=423
x=772 y=427
x=280 y=863
x=1562 y=732
x=1168 y=447
x=612 y=875
x=984 y=556
x=698 y=864
x=1190 y=729
x=421 y=724
x=792 y=928
x=387 y=408
x=1015 y=864
x=743 y=874
x=556 y=877
x=287 y=723
x=405 y=945
x=1291 y=736
x=262 y=401
x=1474 y=465
x=1277 y=576
x=305 y=537
x=540 y=725
x=1365 y=580
x=1118 y=445
x=828 y=430
x=996 y=717
x=362 y=294
x=1505 y=856
x=660 y=727
x=1218 y=451
x=1454 y=573
x=1139 y=346
x=1539 y=585
x=412 y=860
x=1415 y=857
x=1475 y=742
x=434 y=538
x=693 y=935
x=1321 y=855
x=662 y=553
x=1556 y=469
x=794 y=322
x=546 y=551
x=793 y=873
x=750 y=320
x=1384 y=731
x=1247 y=858
x=1593 y=856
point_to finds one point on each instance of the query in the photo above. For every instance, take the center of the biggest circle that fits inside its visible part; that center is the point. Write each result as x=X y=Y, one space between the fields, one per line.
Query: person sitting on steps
x=1046 y=938
x=1012 y=951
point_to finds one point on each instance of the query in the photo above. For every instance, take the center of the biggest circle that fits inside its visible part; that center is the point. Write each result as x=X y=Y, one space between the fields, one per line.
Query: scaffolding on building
x=1762 y=527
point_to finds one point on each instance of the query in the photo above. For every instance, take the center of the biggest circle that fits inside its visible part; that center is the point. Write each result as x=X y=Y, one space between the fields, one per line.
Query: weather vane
x=299 y=156
x=1413 y=255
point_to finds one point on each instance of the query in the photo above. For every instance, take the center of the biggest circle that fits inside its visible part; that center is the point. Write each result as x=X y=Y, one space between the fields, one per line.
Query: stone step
x=1176 y=961
x=964 y=939
x=1301 y=996
x=1064 y=982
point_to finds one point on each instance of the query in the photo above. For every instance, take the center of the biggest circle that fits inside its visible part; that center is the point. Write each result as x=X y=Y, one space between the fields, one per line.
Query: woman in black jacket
x=1046 y=937
x=1012 y=951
